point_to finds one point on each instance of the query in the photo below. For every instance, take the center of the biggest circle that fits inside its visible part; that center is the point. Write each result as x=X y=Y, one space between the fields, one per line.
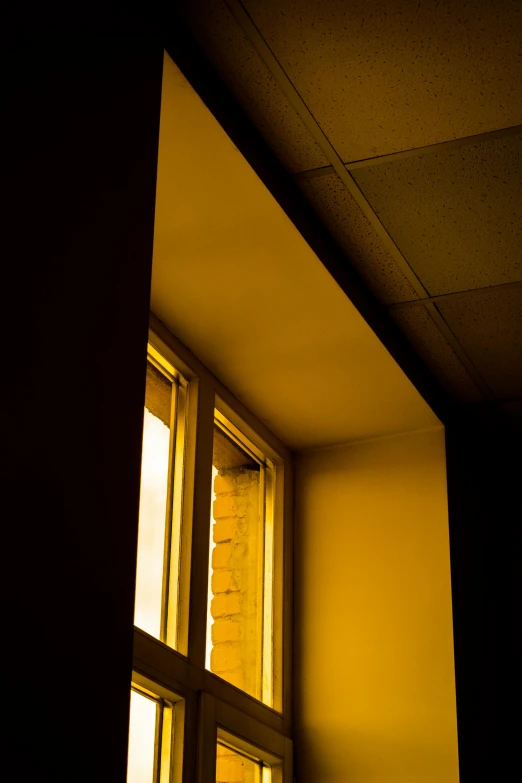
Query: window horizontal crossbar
x=268 y=747
x=157 y=663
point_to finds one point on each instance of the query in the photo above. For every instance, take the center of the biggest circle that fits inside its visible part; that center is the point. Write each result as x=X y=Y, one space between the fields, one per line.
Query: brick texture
x=236 y=605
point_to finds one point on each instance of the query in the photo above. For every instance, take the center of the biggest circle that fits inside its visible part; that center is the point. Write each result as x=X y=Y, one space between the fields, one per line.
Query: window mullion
x=283 y=593
x=207 y=739
x=201 y=497
x=158 y=742
x=167 y=598
x=288 y=763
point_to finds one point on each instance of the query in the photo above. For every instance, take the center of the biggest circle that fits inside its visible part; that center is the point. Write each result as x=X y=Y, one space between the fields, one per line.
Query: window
x=152 y=732
x=238 y=760
x=232 y=766
x=240 y=642
x=159 y=532
x=208 y=699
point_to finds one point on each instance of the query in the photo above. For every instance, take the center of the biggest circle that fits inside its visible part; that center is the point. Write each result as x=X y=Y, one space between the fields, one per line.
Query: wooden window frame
x=172 y=770
x=174 y=570
x=212 y=707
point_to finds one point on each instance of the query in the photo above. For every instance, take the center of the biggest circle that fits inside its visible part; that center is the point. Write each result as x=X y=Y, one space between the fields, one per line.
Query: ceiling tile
x=353 y=231
x=381 y=77
x=432 y=346
x=455 y=214
x=253 y=85
x=489 y=328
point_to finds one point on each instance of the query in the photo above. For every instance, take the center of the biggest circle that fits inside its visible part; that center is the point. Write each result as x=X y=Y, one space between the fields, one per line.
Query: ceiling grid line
x=459 y=351
x=257 y=40
x=479 y=138
x=453 y=295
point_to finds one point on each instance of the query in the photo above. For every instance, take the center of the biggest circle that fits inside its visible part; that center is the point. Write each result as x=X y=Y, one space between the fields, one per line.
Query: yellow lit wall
x=375 y=688
x=235 y=281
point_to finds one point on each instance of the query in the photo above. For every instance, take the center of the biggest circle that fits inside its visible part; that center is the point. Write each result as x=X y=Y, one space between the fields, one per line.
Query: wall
x=374 y=678
x=215 y=218
x=81 y=125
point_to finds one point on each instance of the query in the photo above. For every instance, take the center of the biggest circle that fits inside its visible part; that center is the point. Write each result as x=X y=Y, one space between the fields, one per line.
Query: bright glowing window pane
x=142 y=736
x=233 y=767
x=239 y=630
x=153 y=502
x=210 y=619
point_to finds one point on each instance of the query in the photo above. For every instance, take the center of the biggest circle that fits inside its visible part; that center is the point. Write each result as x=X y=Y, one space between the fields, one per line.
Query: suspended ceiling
x=402 y=124
x=235 y=281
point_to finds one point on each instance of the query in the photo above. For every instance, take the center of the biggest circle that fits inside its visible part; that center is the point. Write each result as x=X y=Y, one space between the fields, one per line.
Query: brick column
x=236 y=579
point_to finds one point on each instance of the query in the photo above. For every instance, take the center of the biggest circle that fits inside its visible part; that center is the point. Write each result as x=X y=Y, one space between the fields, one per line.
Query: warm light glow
x=142 y=735
x=208 y=219
x=151 y=535
x=374 y=616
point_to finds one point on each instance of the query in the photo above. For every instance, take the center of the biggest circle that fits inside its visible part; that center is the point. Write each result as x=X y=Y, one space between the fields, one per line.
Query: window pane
x=166 y=744
x=233 y=767
x=153 y=501
x=151 y=739
x=142 y=738
x=240 y=611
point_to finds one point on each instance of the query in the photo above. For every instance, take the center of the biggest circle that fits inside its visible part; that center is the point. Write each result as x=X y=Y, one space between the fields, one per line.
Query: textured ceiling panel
x=419 y=327
x=381 y=77
x=489 y=328
x=352 y=229
x=456 y=215
x=252 y=83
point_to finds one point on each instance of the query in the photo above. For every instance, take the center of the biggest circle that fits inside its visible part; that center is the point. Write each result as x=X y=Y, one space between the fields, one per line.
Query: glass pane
x=153 y=502
x=166 y=744
x=142 y=737
x=232 y=767
x=239 y=617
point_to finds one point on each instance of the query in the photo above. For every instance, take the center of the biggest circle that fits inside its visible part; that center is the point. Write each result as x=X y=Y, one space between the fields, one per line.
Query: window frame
x=173 y=568
x=272 y=483
x=165 y=698
x=210 y=704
